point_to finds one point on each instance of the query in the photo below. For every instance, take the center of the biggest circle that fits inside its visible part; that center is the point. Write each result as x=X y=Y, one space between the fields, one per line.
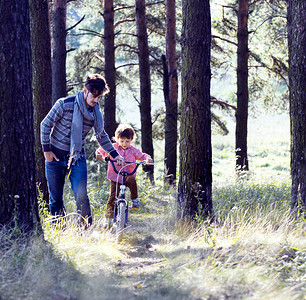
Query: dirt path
x=143 y=271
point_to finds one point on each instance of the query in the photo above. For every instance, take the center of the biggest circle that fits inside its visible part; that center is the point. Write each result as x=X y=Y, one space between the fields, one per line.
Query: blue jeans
x=56 y=172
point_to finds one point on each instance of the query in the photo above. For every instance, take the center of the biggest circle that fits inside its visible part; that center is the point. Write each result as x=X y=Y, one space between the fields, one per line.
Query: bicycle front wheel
x=121 y=216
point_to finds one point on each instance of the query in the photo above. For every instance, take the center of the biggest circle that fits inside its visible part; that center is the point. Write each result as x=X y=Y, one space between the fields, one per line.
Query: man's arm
x=108 y=147
x=45 y=129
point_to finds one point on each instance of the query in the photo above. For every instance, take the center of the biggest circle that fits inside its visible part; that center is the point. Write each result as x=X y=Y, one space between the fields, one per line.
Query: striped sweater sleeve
x=106 y=144
x=48 y=122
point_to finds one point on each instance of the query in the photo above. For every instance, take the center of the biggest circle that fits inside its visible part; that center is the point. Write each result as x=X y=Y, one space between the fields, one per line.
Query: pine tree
x=195 y=180
x=18 y=199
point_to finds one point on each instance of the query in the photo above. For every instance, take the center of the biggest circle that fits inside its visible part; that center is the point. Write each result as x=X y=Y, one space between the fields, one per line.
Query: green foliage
x=268 y=56
x=255 y=247
x=251 y=198
x=42 y=206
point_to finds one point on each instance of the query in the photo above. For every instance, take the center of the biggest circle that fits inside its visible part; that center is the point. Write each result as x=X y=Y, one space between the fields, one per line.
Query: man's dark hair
x=96 y=84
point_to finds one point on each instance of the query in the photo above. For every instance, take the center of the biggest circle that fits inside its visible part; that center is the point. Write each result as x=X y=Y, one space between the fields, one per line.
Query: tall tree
x=171 y=94
x=109 y=68
x=18 y=199
x=195 y=180
x=297 y=98
x=145 y=82
x=59 y=49
x=242 y=87
x=41 y=80
x=254 y=70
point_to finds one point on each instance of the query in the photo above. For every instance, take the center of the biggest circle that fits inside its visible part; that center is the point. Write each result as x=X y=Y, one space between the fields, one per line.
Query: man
x=63 y=133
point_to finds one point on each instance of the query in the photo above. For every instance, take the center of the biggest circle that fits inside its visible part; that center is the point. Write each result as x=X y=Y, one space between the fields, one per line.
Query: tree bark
x=242 y=88
x=59 y=50
x=172 y=95
x=297 y=99
x=195 y=179
x=18 y=199
x=110 y=71
x=41 y=82
x=145 y=83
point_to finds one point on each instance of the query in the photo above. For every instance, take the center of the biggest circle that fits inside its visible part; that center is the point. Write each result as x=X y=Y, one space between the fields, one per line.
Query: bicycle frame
x=121 y=204
x=122 y=198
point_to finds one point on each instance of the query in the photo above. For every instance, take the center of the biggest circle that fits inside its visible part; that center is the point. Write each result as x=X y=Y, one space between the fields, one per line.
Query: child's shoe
x=135 y=203
x=108 y=223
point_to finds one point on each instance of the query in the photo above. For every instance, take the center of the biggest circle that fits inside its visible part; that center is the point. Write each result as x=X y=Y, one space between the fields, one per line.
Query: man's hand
x=99 y=156
x=120 y=160
x=49 y=156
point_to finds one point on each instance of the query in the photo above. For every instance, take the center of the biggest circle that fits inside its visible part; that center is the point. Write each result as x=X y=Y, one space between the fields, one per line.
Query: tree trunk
x=297 y=98
x=41 y=82
x=195 y=179
x=242 y=88
x=110 y=71
x=59 y=50
x=145 y=83
x=18 y=198
x=171 y=98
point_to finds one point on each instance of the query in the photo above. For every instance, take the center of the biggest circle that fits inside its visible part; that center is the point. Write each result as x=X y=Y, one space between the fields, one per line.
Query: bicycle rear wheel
x=121 y=216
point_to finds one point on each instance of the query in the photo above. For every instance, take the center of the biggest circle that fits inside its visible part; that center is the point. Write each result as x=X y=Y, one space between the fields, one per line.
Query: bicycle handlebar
x=127 y=162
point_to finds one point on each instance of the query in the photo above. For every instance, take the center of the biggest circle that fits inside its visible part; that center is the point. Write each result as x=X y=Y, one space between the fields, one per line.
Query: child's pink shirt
x=131 y=154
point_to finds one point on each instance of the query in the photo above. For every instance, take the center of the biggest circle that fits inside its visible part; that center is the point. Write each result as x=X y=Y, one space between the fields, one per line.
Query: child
x=124 y=136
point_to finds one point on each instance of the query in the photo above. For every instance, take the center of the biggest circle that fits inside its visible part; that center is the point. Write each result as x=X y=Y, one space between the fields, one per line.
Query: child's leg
x=111 y=200
x=132 y=185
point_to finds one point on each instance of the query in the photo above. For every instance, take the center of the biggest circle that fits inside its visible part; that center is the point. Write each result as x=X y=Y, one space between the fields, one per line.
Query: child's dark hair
x=124 y=131
x=96 y=84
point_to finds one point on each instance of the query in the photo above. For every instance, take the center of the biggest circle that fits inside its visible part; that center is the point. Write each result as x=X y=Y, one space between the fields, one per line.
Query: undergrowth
x=254 y=249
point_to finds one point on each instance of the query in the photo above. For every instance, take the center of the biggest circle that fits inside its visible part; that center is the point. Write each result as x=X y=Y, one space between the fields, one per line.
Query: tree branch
x=264 y=21
x=272 y=70
x=126 y=65
x=124 y=21
x=226 y=40
x=254 y=2
x=137 y=100
x=76 y=24
x=227 y=6
x=123 y=7
x=99 y=57
x=126 y=45
x=70 y=50
x=92 y=32
x=157 y=116
x=221 y=103
x=126 y=33
x=133 y=6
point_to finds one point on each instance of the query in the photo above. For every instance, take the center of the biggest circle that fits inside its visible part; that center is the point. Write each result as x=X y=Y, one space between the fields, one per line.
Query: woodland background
x=219 y=103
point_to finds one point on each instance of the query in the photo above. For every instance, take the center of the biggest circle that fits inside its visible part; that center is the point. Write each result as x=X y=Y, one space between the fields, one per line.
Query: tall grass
x=255 y=249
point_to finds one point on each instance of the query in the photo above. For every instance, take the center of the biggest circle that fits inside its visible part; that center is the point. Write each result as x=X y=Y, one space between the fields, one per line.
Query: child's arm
x=143 y=156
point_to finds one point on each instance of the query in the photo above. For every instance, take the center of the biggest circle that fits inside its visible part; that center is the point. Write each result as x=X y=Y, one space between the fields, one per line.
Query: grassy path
x=254 y=252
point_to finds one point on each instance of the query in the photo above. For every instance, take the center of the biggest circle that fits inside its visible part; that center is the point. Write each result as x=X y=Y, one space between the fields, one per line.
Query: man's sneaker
x=108 y=223
x=135 y=203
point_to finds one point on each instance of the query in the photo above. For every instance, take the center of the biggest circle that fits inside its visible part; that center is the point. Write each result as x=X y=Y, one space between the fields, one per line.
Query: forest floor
x=255 y=249
x=254 y=253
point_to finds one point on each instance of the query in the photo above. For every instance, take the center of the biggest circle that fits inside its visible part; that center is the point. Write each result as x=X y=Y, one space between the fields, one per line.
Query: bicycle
x=121 y=205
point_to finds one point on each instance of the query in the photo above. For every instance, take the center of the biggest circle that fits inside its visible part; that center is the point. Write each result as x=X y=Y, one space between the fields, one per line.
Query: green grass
x=268 y=150
x=254 y=249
